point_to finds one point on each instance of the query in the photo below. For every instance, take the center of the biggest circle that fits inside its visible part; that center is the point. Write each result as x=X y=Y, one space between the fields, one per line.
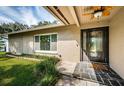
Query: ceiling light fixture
x=98 y=14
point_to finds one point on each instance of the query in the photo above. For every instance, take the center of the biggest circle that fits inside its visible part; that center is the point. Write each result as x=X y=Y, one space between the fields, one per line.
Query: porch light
x=98 y=14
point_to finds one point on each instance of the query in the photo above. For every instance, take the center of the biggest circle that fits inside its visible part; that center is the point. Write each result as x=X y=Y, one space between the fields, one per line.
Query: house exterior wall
x=28 y=44
x=15 y=44
x=68 y=43
x=116 y=43
x=95 y=25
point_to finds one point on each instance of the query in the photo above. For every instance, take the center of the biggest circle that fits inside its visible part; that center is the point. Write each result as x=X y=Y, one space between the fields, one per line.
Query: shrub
x=49 y=79
x=47 y=72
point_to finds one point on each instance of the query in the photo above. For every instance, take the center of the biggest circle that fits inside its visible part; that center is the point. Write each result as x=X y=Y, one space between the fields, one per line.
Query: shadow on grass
x=43 y=73
x=5 y=58
x=18 y=75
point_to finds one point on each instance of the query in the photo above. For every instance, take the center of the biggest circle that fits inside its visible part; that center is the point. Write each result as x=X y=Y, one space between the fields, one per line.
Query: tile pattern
x=98 y=73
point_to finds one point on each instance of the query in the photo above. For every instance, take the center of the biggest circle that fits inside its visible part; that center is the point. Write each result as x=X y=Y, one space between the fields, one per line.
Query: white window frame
x=47 y=51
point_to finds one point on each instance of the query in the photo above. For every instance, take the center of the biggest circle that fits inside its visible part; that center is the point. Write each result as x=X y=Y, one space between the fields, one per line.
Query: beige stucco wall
x=95 y=24
x=116 y=43
x=68 y=43
x=15 y=44
x=28 y=44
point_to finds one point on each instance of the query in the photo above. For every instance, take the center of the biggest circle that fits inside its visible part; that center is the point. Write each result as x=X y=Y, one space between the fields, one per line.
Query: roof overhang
x=71 y=15
x=34 y=29
x=74 y=14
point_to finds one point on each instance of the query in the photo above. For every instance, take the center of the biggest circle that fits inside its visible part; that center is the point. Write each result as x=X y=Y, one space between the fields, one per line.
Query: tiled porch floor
x=88 y=73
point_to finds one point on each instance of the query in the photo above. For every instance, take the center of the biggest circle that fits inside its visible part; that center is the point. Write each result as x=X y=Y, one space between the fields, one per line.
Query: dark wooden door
x=95 y=44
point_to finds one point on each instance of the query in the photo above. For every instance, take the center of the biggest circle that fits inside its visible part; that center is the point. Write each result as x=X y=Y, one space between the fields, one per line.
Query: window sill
x=46 y=52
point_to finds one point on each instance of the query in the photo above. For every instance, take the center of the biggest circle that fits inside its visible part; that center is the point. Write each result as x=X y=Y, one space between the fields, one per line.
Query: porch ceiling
x=73 y=14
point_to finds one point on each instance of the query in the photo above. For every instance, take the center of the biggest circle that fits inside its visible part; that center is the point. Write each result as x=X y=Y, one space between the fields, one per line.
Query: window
x=46 y=42
x=53 y=44
x=53 y=38
x=36 y=38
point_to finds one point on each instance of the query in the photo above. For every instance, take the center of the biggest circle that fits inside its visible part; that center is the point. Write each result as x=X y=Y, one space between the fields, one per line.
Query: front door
x=95 y=44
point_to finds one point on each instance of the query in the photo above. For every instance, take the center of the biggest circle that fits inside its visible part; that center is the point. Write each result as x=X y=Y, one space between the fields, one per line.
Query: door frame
x=105 y=41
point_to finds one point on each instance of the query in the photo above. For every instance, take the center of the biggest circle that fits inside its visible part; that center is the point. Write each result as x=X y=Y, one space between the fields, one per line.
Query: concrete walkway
x=70 y=81
x=66 y=67
x=68 y=70
x=87 y=73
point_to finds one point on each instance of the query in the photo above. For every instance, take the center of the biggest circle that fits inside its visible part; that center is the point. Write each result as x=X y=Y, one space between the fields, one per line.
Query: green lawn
x=2 y=53
x=16 y=71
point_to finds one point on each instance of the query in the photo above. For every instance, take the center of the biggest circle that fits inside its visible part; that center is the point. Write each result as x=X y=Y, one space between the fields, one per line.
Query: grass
x=22 y=72
x=2 y=53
